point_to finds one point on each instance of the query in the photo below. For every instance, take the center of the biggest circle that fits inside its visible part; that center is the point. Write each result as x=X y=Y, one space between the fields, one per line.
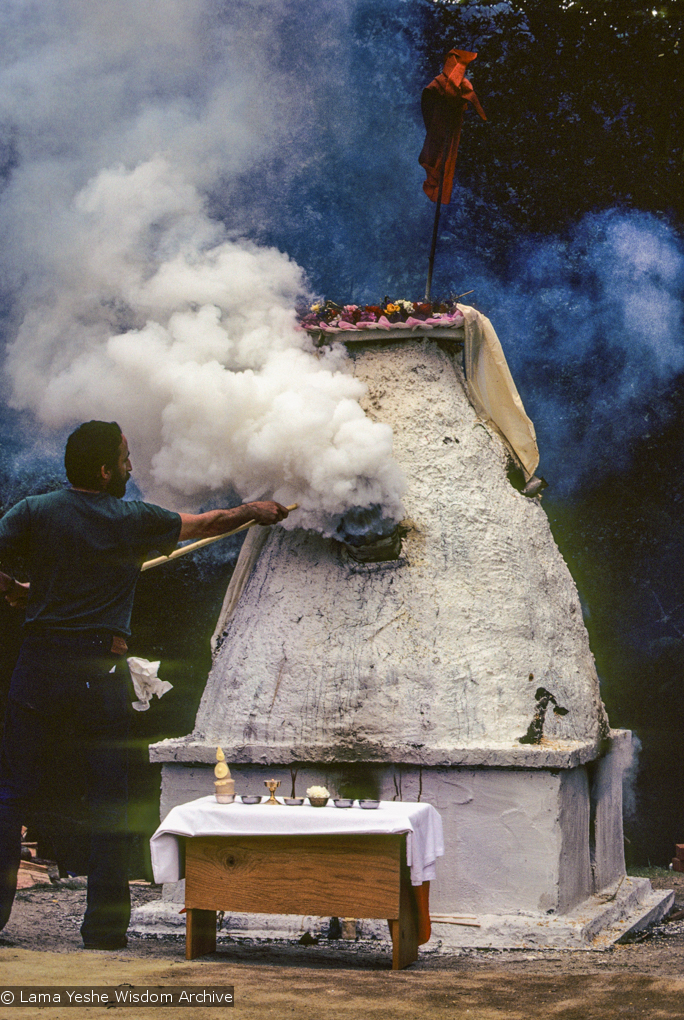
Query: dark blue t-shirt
x=84 y=551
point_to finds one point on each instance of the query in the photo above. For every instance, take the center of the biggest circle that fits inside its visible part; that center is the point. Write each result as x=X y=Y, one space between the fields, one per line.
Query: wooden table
x=349 y=875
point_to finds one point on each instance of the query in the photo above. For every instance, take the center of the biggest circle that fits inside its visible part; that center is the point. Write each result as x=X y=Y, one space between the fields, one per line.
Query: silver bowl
x=251 y=800
x=293 y=801
x=368 y=805
x=343 y=802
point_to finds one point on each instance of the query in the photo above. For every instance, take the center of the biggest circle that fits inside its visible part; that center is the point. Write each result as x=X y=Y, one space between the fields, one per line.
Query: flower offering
x=329 y=317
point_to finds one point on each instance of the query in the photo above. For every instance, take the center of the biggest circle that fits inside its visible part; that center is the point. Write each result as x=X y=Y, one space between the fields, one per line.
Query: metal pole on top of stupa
x=435 y=230
x=443 y=104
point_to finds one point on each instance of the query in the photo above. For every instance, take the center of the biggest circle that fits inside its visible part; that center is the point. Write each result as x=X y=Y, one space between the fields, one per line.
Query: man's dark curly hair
x=92 y=445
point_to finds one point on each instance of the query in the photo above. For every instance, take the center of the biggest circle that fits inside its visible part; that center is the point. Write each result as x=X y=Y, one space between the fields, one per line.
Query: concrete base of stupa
x=597 y=924
x=533 y=842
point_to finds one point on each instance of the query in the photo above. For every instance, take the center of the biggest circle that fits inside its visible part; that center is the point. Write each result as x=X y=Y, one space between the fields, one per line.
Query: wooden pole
x=183 y=550
x=433 y=247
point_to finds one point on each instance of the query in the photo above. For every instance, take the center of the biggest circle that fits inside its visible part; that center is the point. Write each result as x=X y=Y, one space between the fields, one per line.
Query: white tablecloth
x=206 y=817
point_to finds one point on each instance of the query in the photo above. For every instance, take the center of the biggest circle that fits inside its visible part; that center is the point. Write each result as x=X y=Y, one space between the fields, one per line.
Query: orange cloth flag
x=443 y=104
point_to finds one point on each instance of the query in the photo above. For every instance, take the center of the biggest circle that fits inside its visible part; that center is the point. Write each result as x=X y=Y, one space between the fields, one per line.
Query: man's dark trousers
x=66 y=704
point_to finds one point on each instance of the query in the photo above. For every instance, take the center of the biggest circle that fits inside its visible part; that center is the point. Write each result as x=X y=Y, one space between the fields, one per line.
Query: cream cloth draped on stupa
x=493 y=393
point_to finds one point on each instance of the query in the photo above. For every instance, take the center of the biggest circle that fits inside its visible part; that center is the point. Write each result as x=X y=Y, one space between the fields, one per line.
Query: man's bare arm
x=217 y=522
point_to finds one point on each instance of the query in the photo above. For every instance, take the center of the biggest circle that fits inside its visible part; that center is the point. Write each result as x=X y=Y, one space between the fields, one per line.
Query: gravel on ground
x=41 y=944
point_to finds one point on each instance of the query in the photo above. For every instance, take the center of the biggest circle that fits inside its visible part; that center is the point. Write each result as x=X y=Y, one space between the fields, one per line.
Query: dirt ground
x=644 y=978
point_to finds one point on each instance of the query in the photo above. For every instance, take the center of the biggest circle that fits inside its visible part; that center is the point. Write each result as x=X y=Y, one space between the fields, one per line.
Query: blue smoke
x=592 y=325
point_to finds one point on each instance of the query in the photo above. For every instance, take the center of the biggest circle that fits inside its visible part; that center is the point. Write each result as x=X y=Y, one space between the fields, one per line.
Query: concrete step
x=596 y=924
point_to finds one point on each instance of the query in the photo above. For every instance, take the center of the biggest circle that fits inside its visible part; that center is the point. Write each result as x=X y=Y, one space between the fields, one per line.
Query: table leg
x=200 y=933
x=404 y=929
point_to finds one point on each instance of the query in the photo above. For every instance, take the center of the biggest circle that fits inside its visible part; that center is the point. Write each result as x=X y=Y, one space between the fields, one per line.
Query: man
x=84 y=547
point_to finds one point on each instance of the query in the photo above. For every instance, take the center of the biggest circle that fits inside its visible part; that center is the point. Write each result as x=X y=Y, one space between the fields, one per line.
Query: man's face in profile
x=121 y=471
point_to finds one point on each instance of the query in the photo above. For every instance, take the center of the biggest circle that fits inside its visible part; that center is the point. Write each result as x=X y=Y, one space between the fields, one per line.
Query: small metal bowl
x=318 y=801
x=369 y=804
x=293 y=801
x=343 y=802
x=251 y=800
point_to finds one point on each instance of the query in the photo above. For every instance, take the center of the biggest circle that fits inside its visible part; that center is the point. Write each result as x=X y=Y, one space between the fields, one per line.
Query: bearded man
x=84 y=547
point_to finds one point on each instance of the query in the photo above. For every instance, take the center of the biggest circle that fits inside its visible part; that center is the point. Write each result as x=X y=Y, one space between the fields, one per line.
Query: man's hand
x=15 y=592
x=267 y=512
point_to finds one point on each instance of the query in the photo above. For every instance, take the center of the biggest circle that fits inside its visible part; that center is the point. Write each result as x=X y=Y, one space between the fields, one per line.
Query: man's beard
x=117 y=485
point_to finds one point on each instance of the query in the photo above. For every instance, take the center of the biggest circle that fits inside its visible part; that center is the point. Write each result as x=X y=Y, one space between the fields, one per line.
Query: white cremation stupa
x=458 y=672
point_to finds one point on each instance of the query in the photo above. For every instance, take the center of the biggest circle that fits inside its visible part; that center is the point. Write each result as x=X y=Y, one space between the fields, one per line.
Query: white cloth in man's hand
x=146 y=682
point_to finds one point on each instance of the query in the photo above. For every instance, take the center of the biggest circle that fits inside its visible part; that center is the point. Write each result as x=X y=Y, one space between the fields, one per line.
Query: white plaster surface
x=606 y=795
x=422 y=658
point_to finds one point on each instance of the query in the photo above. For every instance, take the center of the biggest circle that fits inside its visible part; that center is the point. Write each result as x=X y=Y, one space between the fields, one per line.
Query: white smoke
x=132 y=302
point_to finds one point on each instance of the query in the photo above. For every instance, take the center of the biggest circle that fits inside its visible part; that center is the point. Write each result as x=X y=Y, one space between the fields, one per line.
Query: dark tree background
x=585 y=108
